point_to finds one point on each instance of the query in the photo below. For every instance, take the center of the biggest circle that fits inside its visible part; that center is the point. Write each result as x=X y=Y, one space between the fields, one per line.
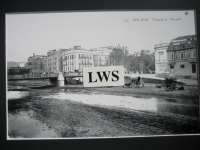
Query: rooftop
x=182 y=42
x=188 y=37
x=11 y=64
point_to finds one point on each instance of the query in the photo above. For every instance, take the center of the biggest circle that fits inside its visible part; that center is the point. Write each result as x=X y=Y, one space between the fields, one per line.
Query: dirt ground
x=70 y=119
x=149 y=90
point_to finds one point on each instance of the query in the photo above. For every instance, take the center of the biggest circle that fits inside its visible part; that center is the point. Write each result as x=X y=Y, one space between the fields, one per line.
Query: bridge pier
x=60 y=77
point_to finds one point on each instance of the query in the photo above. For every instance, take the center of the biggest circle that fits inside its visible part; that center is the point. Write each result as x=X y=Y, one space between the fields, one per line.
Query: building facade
x=161 y=62
x=74 y=60
x=182 y=56
x=54 y=60
x=36 y=65
x=101 y=56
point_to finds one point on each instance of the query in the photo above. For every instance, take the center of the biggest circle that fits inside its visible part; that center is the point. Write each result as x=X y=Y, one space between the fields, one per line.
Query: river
x=22 y=93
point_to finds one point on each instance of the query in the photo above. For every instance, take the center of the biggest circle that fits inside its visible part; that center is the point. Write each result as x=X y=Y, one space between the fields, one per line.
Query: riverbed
x=63 y=111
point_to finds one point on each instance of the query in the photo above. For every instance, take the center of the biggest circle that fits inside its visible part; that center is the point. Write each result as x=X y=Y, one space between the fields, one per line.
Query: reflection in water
x=188 y=110
x=57 y=83
x=28 y=83
x=25 y=126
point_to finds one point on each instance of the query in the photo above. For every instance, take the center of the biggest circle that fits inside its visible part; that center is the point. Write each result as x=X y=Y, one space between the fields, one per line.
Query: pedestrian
x=138 y=80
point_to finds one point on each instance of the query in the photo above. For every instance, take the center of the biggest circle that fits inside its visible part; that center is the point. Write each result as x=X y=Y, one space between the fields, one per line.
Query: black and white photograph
x=101 y=74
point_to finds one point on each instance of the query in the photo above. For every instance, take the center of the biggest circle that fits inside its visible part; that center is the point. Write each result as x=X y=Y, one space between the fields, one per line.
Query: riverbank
x=148 y=91
x=72 y=111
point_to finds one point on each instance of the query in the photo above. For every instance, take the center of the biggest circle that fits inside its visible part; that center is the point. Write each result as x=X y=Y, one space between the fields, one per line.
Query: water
x=22 y=126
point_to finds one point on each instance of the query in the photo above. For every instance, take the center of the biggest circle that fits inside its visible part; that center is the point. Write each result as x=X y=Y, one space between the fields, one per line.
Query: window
x=176 y=56
x=182 y=55
x=172 y=56
x=182 y=66
x=171 y=66
x=186 y=54
x=194 y=54
x=193 y=68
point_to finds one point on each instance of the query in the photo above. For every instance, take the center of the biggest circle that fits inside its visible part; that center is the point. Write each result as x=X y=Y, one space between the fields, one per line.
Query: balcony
x=85 y=63
x=85 y=57
x=171 y=61
x=193 y=60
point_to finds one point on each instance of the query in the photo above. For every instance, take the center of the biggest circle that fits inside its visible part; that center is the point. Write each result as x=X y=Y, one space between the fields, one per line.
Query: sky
x=39 y=32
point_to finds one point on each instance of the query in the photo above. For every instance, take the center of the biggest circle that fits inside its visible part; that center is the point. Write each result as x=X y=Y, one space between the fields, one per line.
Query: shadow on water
x=57 y=83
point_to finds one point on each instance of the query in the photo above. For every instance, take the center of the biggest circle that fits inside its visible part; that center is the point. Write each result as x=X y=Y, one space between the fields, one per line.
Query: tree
x=142 y=61
x=118 y=56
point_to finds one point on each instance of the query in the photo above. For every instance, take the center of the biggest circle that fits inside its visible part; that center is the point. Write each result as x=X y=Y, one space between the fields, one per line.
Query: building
x=44 y=61
x=161 y=62
x=75 y=59
x=36 y=64
x=182 y=56
x=54 y=60
x=101 y=56
x=17 y=70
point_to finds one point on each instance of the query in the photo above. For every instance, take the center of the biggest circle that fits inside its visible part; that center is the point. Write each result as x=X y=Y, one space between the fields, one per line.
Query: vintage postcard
x=101 y=74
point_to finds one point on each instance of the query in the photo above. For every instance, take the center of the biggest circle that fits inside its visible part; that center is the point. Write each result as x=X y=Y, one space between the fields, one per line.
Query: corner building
x=182 y=56
x=76 y=59
x=161 y=62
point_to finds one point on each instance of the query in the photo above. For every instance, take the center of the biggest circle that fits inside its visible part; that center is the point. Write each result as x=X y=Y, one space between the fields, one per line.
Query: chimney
x=33 y=54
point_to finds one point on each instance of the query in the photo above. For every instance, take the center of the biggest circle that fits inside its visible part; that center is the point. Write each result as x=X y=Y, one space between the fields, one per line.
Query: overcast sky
x=40 y=32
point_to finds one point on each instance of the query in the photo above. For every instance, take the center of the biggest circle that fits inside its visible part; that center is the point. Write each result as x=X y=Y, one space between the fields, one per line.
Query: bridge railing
x=67 y=74
x=30 y=76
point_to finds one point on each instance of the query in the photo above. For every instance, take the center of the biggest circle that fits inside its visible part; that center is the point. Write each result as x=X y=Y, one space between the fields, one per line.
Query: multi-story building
x=161 y=62
x=101 y=56
x=77 y=58
x=182 y=56
x=54 y=60
x=36 y=65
